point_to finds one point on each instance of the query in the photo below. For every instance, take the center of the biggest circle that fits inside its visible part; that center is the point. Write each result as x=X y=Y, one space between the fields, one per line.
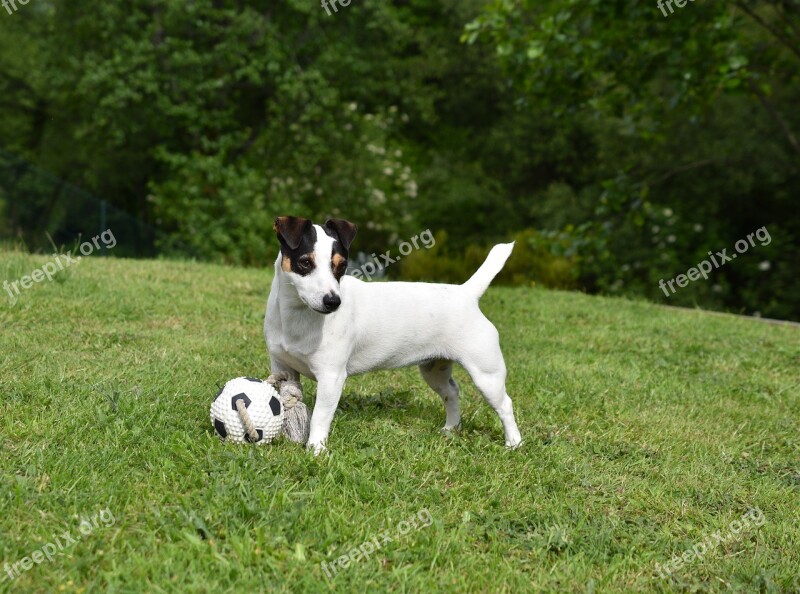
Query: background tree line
x=616 y=145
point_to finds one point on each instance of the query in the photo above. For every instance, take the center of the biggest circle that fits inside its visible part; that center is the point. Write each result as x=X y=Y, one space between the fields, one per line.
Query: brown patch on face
x=286 y=264
x=338 y=265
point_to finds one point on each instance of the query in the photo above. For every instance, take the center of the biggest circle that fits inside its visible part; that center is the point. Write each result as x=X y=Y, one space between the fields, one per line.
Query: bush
x=537 y=258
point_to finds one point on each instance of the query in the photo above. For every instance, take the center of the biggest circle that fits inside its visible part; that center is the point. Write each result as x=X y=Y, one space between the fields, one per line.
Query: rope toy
x=249 y=428
x=295 y=413
x=296 y=421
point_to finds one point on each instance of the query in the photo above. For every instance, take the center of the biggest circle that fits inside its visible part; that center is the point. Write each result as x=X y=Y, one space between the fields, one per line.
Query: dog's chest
x=290 y=341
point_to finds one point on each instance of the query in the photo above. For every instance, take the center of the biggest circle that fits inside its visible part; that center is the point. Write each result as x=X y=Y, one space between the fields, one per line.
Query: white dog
x=328 y=326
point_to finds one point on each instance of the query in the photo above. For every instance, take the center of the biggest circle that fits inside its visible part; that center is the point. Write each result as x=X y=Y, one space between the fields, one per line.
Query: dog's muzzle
x=331 y=302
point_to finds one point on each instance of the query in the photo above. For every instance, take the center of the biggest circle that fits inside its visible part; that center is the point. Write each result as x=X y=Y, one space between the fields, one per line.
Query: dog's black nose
x=331 y=302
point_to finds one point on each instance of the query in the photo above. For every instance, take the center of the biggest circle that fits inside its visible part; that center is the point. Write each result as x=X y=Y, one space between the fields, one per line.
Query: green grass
x=646 y=430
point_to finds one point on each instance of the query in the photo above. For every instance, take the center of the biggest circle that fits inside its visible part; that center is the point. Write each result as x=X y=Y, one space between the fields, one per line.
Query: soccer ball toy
x=248 y=410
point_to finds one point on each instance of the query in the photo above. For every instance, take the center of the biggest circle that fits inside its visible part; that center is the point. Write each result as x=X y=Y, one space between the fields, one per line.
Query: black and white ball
x=263 y=405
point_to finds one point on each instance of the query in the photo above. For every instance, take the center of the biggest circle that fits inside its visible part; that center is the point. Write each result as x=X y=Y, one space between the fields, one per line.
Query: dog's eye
x=304 y=262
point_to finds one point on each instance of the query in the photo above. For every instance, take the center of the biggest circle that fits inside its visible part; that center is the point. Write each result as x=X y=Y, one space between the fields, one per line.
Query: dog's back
x=401 y=323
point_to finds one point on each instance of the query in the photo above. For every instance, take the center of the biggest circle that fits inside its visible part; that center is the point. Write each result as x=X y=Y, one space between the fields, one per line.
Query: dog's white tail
x=494 y=263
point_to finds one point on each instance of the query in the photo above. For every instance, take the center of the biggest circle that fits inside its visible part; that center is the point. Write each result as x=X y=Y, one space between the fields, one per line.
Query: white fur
x=385 y=325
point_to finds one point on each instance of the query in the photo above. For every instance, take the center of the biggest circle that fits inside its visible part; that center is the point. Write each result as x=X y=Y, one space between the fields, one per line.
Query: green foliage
x=690 y=115
x=546 y=259
x=436 y=265
x=581 y=120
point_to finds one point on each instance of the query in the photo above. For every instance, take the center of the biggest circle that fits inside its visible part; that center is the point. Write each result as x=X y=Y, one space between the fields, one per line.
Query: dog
x=328 y=326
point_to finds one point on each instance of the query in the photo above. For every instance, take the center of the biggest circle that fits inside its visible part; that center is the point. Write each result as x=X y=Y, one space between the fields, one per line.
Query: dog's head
x=314 y=258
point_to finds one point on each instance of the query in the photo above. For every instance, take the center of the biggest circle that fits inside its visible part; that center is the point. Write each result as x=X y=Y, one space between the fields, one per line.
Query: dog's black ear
x=291 y=229
x=344 y=229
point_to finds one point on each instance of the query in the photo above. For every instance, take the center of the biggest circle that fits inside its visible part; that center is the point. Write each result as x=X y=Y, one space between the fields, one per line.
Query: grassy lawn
x=647 y=430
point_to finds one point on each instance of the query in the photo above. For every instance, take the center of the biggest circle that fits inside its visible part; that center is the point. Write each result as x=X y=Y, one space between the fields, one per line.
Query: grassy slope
x=646 y=431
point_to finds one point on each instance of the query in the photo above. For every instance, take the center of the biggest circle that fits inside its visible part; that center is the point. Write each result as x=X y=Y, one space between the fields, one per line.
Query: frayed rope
x=296 y=419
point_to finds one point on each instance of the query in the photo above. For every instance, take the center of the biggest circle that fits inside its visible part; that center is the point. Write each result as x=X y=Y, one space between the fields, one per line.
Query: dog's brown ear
x=344 y=229
x=291 y=229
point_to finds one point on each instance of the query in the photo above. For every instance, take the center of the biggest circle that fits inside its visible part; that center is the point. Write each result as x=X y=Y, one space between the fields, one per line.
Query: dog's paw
x=317 y=448
x=513 y=444
x=451 y=428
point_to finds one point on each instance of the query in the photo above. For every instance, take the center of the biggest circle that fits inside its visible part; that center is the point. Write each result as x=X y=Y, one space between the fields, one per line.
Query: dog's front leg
x=278 y=366
x=329 y=390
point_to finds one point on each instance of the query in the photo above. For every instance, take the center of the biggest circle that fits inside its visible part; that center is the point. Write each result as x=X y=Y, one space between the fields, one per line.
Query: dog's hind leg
x=487 y=369
x=438 y=374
